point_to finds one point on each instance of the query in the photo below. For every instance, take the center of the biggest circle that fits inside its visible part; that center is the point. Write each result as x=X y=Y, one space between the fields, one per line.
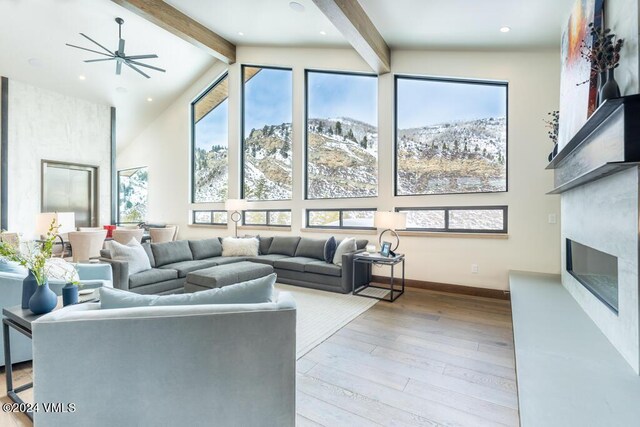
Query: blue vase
x=29 y=286
x=69 y=294
x=43 y=300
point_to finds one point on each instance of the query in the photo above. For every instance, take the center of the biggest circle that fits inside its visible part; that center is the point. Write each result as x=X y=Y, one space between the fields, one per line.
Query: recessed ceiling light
x=121 y=89
x=240 y=33
x=505 y=29
x=82 y=77
x=149 y=99
x=35 y=62
x=323 y=33
x=298 y=7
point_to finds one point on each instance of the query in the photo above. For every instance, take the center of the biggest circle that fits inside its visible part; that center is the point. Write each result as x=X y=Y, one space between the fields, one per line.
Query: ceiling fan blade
x=135 y=69
x=100 y=60
x=121 y=47
x=89 y=50
x=141 y=57
x=119 y=68
x=95 y=42
x=140 y=64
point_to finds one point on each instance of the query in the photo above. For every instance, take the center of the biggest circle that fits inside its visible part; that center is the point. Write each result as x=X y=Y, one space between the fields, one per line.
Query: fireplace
x=595 y=270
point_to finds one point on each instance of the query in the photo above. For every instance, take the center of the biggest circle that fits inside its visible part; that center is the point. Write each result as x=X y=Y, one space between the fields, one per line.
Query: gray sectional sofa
x=296 y=261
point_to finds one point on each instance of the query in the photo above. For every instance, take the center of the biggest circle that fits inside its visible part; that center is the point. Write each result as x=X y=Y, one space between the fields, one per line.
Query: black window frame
x=448 y=209
x=341 y=210
x=193 y=217
x=242 y=100
x=397 y=77
x=118 y=222
x=193 y=135
x=306 y=130
x=268 y=222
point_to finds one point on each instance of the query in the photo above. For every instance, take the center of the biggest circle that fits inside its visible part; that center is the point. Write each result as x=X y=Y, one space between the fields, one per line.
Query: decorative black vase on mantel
x=609 y=89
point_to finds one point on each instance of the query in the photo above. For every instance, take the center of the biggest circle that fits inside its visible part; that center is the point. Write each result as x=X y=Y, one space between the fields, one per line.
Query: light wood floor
x=428 y=359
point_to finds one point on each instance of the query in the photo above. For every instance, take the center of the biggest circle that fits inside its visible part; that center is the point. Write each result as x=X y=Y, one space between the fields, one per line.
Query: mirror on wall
x=70 y=187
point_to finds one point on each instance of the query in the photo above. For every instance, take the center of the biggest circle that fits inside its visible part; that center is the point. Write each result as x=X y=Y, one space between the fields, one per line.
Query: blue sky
x=428 y=102
x=268 y=99
x=212 y=129
x=342 y=95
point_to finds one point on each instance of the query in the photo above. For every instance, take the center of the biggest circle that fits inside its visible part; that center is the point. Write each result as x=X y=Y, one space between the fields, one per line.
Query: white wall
x=622 y=17
x=45 y=125
x=533 y=78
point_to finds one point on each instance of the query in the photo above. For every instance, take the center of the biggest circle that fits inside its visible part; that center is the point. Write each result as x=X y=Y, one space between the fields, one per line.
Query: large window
x=342 y=135
x=340 y=218
x=132 y=195
x=268 y=217
x=209 y=115
x=451 y=136
x=266 y=126
x=484 y=219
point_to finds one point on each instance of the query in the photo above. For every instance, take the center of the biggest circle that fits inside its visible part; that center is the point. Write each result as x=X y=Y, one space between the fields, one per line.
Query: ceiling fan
x=119 y=55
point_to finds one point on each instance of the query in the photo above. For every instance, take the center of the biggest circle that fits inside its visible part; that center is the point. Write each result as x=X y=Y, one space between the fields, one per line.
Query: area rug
x=320 y=314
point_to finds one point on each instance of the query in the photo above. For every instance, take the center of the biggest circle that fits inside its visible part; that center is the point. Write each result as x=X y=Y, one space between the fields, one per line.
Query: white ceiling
x=435 y=24
x=40 y=28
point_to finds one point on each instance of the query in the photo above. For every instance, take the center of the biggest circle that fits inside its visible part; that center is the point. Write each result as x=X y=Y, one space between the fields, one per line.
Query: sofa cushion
x=294 y=264
x=284 y=245
x=266 y=259
x=346 y=246
x=224 y=275
x=133 y=254
x=265 y=243
x=249 y=292
x=185 y=267
x=330 y=249
x=232 y=246
x=222 y=260
x=153 y=275
x=205 y=248
x=147 y=248
x=170 y=252
x=311 y=248
x=321 y=267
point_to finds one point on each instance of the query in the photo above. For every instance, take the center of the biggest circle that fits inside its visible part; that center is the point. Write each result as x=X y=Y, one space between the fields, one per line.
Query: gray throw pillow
x=133 y=254
x=284 y=245
x=251 y=292
x=311 y=248
x=205 y=248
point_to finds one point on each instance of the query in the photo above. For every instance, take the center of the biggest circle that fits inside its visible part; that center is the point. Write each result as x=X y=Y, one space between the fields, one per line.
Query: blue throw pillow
x=250 y=292
x=330 y=249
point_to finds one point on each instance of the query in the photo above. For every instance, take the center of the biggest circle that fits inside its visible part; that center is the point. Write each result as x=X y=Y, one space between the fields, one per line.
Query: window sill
x=499 y=236
x=263 y=227
x=339 y=231
x=222 y=227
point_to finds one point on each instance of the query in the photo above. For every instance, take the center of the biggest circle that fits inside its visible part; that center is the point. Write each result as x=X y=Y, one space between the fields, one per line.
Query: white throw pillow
x=133 y=253
x=59 y=269
x=346 y=246
x=240 y=247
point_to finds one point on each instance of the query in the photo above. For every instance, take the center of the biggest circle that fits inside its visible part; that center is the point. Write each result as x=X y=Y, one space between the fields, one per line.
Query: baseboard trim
x=446 y=287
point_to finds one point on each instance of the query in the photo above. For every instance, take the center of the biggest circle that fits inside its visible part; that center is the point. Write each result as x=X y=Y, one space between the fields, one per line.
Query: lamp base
x=391 y=252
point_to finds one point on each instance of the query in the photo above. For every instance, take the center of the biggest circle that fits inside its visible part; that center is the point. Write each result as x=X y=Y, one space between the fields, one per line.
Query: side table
x=377 y=259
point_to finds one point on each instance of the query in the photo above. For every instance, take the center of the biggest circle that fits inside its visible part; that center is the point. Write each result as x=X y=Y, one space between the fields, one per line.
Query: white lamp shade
x=233 y=205
x=390 y=220
x=65 y=220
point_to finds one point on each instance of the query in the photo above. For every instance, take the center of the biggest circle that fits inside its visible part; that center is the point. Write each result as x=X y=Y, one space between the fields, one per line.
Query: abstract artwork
x=578 y=88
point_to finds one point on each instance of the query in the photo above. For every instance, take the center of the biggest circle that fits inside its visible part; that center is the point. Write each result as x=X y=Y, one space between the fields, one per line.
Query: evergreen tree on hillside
x=286 y=145
x=351 y=136
x=320 y=129
x=338 y=128
x=484 y=152
x=476 y=149
x=265 y=130
x=364 y=143
x=465 y=149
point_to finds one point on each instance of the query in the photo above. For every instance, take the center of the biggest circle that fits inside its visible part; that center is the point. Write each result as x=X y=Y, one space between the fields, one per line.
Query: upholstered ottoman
x=224 y=275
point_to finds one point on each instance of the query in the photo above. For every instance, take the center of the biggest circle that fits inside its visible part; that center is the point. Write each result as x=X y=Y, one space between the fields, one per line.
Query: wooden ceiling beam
x=354 y=24
x=171 y=19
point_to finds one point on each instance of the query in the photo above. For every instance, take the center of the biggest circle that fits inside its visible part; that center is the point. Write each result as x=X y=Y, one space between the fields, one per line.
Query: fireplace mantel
x=608 y=142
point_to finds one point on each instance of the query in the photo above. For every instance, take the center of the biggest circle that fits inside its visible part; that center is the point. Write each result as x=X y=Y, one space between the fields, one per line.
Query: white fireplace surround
x=603 y=214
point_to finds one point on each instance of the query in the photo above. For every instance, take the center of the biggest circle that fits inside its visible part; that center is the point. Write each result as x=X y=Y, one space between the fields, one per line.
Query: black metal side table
x=377 y=259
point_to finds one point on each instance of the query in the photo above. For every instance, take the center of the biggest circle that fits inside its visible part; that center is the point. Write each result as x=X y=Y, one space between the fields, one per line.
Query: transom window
x=341 y=218
x=210 y=217
x=483 y=219
x=268 y=217
x=451 y=136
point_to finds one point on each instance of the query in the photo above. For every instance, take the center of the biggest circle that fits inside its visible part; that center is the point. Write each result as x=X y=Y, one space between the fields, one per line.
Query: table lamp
x=66 y=222
x=235 y=206
x=390 y=222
